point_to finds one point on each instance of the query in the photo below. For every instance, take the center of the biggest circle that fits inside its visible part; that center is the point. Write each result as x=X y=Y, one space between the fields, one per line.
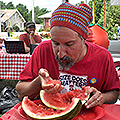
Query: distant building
x=46 y=18
x=39 y=26
x=12 y=17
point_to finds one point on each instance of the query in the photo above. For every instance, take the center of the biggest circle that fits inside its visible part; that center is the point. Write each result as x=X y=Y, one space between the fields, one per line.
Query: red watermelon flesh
x=38 y=108
x=54 y=82
x=61 y=101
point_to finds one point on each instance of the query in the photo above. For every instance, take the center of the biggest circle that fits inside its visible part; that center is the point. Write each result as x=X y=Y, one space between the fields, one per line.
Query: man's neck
x=84 y=53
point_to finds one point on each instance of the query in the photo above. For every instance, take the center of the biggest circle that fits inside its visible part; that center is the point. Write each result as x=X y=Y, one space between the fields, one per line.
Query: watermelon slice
x=43 y=112
x=62 y=101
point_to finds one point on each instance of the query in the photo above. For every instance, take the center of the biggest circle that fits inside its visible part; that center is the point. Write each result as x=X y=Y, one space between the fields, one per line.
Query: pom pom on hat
x=76 y=18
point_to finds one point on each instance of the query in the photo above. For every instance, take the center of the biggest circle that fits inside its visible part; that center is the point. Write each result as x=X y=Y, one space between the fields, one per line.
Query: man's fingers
x=44 y=73
x=61 y=88
x=96 y=98
x=47 y=86
x=57 y=88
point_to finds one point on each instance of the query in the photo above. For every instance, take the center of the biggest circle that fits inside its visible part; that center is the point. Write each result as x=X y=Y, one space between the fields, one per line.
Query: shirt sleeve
x=37 y=39
x=21 y=37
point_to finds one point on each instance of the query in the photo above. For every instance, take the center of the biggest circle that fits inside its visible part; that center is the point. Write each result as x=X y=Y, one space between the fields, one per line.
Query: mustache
x=64 y=58
x=67 y=64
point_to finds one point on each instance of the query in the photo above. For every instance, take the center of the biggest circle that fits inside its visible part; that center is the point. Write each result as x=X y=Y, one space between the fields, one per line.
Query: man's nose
x=62 y=51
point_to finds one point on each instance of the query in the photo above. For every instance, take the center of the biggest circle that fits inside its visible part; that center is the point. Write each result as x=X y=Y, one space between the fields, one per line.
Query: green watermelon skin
x=67 y=114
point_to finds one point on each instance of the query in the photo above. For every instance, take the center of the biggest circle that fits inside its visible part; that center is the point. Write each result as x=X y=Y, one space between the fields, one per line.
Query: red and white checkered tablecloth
x=12 y=64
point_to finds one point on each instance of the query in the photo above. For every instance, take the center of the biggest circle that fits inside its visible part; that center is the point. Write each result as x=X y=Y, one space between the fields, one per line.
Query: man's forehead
x=61 y=28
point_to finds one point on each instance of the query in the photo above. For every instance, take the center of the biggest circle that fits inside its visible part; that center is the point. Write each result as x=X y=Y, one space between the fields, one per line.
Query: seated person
x=29 y=37
x=98 y=35
x=71 y=59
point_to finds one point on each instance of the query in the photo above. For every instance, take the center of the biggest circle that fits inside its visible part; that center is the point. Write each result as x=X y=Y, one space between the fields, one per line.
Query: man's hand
x=32 y=33
x=96 y=99
x=50 y=88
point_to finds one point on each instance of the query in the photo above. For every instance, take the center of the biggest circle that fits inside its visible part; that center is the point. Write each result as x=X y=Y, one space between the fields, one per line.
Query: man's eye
x=69 y=44
x=55 y=43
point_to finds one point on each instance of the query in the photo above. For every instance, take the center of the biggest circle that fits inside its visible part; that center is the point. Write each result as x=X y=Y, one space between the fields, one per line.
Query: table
x=111 y=113
x=12 y=64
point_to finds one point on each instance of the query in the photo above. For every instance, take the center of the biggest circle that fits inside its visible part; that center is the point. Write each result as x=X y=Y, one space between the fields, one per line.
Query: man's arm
x=111 y=96
x=30 y=89
x=27 y=49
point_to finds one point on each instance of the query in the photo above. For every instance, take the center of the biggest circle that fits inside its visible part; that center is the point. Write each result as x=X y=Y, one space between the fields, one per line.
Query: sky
x=49 y=4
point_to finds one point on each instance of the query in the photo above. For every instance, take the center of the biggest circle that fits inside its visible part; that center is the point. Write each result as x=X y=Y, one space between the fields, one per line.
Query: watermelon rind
x=67 y=114
x=85 y=100
x=47 y=103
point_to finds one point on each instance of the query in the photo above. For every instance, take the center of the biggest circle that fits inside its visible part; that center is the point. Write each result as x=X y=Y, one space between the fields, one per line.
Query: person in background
x=118 y=31
x=71 y=59
x=29 y=37
x=8 y=30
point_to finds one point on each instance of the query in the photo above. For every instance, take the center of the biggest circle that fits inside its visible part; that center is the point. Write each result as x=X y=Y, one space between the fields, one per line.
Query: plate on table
x=94 y=113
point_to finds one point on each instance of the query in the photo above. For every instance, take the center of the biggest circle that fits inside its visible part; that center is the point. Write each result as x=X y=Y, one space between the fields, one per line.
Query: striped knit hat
x=73 y=17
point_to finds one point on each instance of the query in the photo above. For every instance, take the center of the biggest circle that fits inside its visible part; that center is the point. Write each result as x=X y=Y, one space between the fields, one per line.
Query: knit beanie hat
x=76 y=18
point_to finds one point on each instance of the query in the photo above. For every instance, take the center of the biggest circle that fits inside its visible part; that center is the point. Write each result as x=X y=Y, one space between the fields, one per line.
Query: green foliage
x=112 y=17
x=98 y=8
x=10 y=6
x=16 y=28
x=48 y=30
x=112 y=14
x=41 y=29
x=23 y=10
x=27 y=15
x=38 y=12
x=3 y=6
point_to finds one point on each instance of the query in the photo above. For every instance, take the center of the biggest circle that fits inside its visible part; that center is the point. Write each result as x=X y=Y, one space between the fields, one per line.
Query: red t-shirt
x=24 y=38
x=95 y=69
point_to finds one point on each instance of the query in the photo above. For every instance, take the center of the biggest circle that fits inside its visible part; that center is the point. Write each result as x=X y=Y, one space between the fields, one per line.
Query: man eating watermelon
x=72 y=60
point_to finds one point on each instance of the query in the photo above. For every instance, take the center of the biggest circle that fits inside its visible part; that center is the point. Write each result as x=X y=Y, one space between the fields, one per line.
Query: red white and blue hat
x=76 y=18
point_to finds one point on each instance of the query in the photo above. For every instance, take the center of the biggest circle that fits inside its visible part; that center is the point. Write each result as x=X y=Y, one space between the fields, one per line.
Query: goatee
x=64 y=63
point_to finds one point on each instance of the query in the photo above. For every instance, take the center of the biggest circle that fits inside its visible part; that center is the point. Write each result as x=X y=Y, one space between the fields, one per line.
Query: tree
x=38 y=12
x=10 y=6
x=112 y=18
x=23 y=11
x=3 y=5
x=98 y=8
x=16 y=28
x=112 y=14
